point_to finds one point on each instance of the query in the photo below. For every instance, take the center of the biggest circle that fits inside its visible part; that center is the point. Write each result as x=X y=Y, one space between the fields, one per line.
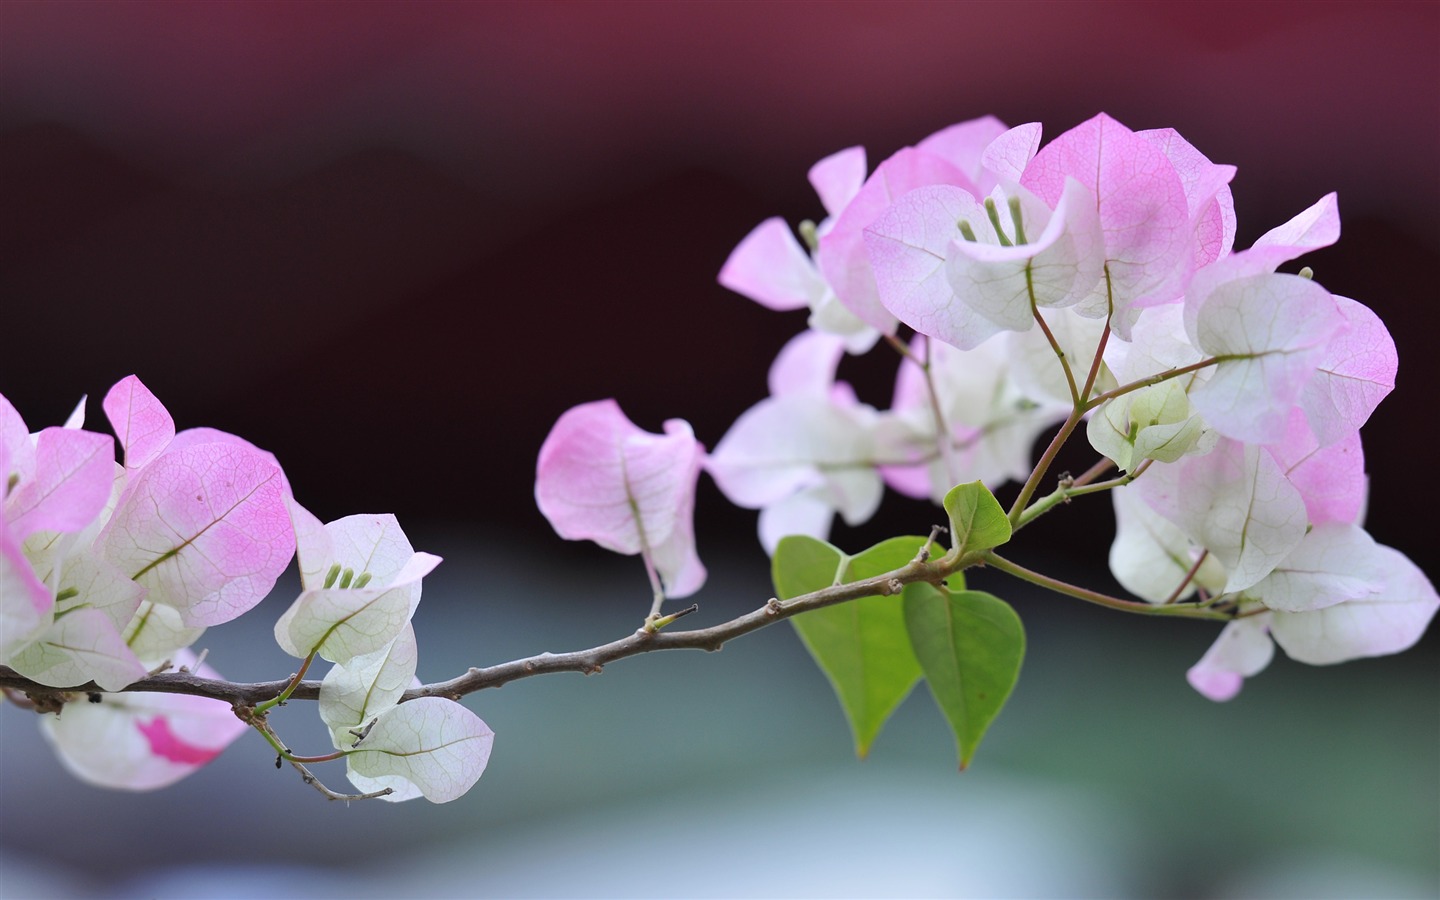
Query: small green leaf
x=970 y=645
x=861 y=646
x=976 y=520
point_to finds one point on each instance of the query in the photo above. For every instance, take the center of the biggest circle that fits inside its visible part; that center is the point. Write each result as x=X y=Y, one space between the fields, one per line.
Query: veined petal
x=435 y=744
x=842 y=256
x=26 y=604
x=1140 y=202
x=355 y=692
x=1332 y=564
x=1151 y=555
x=17 y=450
x=1354 y=373
x=785 y=444
x=907 y=245
x=205 y=528
x=1317 y=226
x=963 y=145
x=343 y=623
x=601 y=478
x=1059 y=267
x=82 y=645
x=1207 y=194
x=1009 y=154
x=1330 y=479
x=73 y=473
x=1387 y=621
x=1242 y=651
x=1234 y=501
x=140 y=420
x=1270 y=332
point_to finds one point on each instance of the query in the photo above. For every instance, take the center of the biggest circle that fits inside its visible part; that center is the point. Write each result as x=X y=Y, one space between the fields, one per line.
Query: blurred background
x=392 y=242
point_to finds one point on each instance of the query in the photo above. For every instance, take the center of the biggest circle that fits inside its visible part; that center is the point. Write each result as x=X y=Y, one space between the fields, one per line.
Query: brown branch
x=589 y=661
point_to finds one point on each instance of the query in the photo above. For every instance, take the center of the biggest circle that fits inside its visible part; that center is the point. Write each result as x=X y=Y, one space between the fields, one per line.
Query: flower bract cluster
x=109 y=571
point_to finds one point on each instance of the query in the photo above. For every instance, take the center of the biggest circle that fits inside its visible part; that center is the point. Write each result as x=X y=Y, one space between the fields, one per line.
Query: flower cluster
x=110 y=571
x=1089 y=283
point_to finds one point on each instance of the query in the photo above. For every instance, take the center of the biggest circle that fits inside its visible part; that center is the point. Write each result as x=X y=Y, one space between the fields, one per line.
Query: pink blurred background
x=433 y=227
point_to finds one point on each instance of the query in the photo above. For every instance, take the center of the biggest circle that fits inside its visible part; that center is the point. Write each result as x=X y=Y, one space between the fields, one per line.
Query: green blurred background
x=392 y=242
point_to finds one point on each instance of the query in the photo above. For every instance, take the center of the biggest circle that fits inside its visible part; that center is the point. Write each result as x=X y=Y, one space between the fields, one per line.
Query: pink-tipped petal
x=1242 y=650
x=837 y=178
x=1331 y=479
x=1355 y=372
x=74 y=471
x=842 y=257
x=205 y=528
x=601 y=478
x=1386 y=621
x=140 y=420
x=141 y=742
x=770 y=267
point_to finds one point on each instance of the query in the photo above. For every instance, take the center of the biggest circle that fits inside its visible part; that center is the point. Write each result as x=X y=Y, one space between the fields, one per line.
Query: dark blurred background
x=391 y=242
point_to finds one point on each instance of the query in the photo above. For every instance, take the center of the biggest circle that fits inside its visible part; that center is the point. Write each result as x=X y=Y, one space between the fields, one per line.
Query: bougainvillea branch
x=1226 y=395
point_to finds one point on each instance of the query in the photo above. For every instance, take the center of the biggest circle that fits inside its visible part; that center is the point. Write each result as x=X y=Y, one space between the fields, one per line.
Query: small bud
x=330 y=576
x=1015 y=217
x=994 y=215
x=994 y=218
x=363 y=580
x=809 y=235
x=345 y=577
x=966 y=231
x=1307 y=273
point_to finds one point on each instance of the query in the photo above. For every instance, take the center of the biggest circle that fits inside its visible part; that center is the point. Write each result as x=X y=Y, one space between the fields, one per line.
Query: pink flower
x=600 y=478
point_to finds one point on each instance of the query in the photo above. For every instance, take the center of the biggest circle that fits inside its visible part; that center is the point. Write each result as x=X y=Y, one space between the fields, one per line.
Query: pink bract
x=600 y=478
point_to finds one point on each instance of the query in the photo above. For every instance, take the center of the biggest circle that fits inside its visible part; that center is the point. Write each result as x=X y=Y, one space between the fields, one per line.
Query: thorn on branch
x=199 y=661
x=935 y=532
x=309 y=778
x=363 y=733
x=653 y=626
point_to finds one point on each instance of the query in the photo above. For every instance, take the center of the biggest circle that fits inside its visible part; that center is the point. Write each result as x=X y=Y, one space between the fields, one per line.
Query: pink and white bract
x=1119 y=243
x=600 y=478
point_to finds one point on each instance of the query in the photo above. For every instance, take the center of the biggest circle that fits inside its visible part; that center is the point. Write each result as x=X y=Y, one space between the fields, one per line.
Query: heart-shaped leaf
x=976 y=520
x=861 y=646
x=970 y=645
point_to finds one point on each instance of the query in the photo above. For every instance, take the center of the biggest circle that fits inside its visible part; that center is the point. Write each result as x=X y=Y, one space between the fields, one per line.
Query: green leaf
x=976 y=520
x=803 y=564
x=862 y=646
x=970 y=645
